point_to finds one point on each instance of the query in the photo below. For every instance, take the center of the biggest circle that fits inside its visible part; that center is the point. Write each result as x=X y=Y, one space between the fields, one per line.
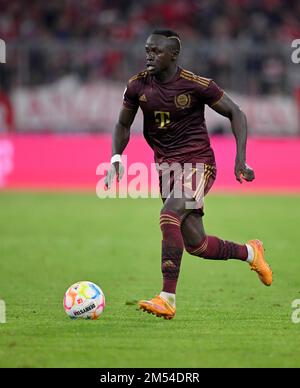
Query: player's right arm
x=120 y=140
x=121 y=132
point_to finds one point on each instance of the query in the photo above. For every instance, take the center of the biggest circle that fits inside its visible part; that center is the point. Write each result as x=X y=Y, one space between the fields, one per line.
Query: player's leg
x=195 y=239
x=197 y=243
x=190 y=182
x=171 y=216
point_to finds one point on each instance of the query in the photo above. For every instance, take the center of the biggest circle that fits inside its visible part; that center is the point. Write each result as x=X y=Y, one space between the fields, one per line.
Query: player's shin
x=172 y=250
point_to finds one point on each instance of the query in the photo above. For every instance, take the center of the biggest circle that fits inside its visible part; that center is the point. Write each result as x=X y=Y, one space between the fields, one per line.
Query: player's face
x=158 y=54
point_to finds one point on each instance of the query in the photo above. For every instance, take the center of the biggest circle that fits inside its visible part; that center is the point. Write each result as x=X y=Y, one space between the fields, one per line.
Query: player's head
x=162 y=50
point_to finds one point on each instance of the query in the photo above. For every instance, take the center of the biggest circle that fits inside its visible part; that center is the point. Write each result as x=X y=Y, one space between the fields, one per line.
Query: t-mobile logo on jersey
x=2 y=51
x=162 y=118
x=296 y=53
x=6 y=160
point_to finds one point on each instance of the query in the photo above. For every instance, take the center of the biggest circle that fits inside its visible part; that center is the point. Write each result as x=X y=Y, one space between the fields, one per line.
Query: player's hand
x=243 y=171
x=116 y=169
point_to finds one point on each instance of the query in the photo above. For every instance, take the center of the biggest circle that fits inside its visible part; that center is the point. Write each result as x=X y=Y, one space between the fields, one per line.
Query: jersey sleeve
x=211 y=94
x=130 y=97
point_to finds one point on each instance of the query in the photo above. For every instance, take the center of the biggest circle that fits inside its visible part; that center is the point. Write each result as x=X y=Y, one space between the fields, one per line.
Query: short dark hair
x=171 y=35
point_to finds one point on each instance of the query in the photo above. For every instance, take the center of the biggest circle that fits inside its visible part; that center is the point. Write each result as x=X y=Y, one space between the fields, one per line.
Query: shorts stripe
x=200 y=186
x=207 y=173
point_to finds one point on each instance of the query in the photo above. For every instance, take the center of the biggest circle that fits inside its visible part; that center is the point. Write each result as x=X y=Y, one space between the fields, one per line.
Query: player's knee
x=199 y=249
x=192 y=251
x=191 y=236
x=174 y=207
x=189 y=249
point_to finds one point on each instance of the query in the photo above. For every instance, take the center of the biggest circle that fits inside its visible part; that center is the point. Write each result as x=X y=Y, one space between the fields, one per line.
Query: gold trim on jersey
x=195 y=78
x=217 y=100
x=142 y=74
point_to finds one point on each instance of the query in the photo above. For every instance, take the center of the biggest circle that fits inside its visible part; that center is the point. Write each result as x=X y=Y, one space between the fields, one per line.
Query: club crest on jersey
x=183 y=101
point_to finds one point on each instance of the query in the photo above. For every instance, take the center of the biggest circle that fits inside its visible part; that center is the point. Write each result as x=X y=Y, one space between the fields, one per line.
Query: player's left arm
x=226 y=107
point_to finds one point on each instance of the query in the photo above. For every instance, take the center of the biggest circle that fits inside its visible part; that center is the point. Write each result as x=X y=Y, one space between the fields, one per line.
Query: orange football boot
x=158 y=306
x=259 y=263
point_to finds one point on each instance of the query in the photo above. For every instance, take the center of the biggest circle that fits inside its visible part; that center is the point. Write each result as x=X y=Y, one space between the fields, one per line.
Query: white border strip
x=2 y=312
x=2 y=51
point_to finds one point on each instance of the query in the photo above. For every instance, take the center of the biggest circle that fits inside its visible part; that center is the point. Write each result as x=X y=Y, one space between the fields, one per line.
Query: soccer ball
x=84 y=300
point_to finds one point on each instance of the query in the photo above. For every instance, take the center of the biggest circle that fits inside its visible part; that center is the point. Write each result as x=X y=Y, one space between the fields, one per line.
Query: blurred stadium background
x=68 y=63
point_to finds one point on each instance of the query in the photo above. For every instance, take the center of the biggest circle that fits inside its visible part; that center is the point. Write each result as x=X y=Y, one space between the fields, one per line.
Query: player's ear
x=175 y=54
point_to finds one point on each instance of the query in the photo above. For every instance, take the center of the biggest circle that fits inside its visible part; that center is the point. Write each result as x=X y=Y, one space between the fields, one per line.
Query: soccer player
x=172 y=100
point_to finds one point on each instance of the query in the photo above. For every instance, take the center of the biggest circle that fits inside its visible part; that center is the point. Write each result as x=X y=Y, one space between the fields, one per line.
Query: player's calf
x=213 y=248
x=172 y=249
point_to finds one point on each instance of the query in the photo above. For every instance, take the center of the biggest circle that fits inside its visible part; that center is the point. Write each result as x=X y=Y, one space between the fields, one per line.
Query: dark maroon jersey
x=174 y=123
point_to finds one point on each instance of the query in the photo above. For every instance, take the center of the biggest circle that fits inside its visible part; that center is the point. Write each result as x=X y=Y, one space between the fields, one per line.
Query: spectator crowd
x=227 y=40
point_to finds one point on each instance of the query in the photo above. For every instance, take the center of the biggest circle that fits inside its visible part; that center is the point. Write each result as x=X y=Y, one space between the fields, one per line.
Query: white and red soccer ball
x=84 y=300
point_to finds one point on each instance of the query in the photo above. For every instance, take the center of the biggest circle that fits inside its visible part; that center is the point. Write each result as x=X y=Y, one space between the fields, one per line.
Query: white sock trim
x=250 y=257
x=170 y=298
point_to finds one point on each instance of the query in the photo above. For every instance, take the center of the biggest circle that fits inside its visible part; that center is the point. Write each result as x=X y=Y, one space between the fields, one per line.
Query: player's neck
x=167 y=75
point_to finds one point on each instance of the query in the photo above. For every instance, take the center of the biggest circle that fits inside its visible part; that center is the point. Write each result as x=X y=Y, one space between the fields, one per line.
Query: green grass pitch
x=225 y=316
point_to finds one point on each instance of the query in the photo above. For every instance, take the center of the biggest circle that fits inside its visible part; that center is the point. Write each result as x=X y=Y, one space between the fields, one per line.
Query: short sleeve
x=130 y=97
x=212 y=94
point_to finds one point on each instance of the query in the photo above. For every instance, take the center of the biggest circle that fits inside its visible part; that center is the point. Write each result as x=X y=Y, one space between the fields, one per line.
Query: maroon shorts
x=193 y=182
